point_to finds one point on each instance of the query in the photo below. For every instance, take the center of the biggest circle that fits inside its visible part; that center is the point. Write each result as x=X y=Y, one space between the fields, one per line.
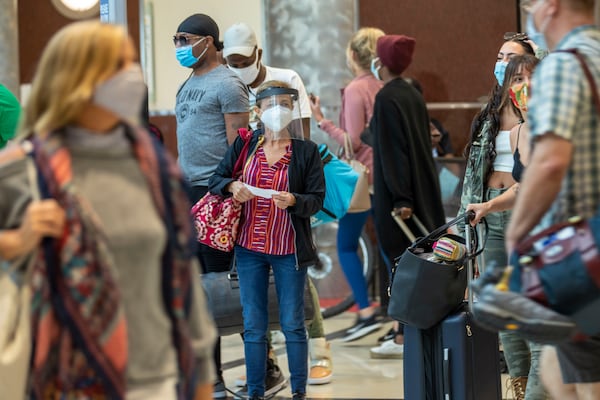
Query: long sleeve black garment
x=403 y=166
x=306 y=183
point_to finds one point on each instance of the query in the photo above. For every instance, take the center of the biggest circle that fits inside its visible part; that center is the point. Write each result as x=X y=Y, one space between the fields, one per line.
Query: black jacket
x=306 y=182
x=404 y=174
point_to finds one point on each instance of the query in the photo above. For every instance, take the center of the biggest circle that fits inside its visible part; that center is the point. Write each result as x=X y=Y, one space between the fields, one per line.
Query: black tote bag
x=422 y=292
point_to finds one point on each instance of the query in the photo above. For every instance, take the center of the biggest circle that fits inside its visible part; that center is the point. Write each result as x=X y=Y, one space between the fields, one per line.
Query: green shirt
x=10 y=110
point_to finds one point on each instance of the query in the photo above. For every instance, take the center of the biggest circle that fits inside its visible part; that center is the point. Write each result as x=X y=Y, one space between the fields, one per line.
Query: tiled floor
x=356 y=375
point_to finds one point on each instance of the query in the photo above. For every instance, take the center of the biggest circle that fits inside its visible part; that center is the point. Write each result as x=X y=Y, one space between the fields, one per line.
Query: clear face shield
x=279 y=113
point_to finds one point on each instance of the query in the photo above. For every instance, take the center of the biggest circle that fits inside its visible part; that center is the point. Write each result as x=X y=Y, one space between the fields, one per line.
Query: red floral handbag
x=217 y=218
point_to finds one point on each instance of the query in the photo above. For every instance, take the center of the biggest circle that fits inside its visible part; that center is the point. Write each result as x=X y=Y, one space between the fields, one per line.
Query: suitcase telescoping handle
x=441 y=230
x=469 y=232
x=409 y=234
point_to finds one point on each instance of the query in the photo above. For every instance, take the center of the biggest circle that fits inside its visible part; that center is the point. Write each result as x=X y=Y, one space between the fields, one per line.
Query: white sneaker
x=388 y=350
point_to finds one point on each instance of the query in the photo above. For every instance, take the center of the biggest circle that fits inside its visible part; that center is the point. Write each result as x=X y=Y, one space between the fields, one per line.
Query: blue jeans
x=349 y=229
x=253 y=271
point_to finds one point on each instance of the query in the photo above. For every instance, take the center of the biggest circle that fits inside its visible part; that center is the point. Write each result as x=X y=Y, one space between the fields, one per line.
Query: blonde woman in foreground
x=117 y=311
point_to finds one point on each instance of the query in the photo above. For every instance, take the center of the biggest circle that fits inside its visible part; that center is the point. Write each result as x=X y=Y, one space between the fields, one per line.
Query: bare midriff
x=500 y=180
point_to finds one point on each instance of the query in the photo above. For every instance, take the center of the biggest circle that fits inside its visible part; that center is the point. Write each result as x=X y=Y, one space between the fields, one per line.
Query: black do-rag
x=201 y=25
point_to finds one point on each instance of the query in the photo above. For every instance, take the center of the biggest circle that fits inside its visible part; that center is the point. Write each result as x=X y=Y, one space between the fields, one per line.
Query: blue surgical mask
x=499 y=71
x=185 y=54
x=374 y=69
x=532 y=33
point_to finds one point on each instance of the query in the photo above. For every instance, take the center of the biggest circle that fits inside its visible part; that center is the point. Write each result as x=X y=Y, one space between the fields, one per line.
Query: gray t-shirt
x=201 y=135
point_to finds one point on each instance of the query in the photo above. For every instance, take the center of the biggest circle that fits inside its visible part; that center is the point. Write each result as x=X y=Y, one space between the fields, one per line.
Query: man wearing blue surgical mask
x=244 y=58
x=563 y=174
x=211 y=105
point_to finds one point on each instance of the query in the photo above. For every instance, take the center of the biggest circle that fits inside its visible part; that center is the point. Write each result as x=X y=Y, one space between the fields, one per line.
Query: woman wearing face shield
x=274 y=229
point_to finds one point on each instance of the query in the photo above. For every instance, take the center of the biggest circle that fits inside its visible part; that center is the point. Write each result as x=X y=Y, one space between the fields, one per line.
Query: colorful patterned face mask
x=519 y=94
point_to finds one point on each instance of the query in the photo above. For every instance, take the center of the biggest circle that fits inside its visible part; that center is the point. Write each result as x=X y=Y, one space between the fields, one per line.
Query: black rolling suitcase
x=455 y=359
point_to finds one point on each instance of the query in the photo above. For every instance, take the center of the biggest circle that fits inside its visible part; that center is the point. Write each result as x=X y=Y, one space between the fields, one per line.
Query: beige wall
x=168 y=74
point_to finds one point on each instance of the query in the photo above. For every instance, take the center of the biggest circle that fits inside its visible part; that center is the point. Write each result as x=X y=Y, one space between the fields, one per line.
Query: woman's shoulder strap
x=518 y=135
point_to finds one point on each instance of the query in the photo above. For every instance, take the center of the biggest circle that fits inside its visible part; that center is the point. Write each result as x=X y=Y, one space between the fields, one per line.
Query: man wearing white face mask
x=563 y=175
x=244 y=57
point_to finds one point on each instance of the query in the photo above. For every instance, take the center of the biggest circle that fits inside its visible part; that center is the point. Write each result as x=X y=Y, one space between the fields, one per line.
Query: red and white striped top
x=266 y=228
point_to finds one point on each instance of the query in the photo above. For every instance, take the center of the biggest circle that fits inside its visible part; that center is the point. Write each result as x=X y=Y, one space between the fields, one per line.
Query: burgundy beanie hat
x=395 y=52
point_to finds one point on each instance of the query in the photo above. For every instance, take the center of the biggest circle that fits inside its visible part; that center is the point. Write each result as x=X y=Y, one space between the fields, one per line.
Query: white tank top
x=504 y=159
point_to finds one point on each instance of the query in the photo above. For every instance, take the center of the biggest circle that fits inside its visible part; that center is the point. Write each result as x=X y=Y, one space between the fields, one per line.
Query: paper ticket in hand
x=266 y=193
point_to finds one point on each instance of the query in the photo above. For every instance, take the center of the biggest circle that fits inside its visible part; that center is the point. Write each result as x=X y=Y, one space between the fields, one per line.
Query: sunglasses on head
x=515 y=36
x=183 y=39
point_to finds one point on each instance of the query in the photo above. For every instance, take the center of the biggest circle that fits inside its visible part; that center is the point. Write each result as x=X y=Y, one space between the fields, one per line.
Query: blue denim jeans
x=253 y=271
x=349 y=229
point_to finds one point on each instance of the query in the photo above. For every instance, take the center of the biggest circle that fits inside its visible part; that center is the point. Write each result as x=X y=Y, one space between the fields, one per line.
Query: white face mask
x=123 y=94
x=248 y=74
x=277 y=118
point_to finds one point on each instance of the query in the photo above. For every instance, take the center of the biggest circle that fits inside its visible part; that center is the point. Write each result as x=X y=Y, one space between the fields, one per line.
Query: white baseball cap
x=239 y=39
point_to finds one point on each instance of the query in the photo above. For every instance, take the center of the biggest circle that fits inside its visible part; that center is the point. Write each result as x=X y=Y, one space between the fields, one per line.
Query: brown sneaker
x=499 y=310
